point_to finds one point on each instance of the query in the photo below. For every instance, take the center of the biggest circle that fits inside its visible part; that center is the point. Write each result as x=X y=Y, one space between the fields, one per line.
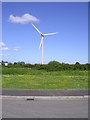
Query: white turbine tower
x=43 y=35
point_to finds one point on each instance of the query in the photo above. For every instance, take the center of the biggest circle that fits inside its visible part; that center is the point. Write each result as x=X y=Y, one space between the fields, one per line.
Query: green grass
x=24 y=78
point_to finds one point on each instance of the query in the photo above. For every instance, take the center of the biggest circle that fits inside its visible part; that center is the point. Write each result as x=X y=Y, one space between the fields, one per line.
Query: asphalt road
x=73 y=92
x=21 y=108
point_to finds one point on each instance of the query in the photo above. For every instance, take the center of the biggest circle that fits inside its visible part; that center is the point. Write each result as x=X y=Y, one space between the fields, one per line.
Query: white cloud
x=16 y=48
x=2 y=44
x=5 y=48
x=26 y=18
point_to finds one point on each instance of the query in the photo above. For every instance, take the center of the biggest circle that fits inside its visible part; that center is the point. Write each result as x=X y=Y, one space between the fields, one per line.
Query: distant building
x=5 y=63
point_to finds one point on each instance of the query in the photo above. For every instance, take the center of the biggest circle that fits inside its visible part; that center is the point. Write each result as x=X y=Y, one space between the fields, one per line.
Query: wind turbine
x=42 y=35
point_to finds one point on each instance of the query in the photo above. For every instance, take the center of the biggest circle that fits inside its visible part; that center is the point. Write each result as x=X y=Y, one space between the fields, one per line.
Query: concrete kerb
x=44 y=97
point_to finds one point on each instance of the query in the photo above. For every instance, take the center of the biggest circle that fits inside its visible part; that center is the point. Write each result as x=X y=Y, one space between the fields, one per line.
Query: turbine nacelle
x=42 y=35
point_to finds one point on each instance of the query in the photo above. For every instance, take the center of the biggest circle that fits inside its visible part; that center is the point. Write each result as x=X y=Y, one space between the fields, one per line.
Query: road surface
x=21 y=108
x=21 y=92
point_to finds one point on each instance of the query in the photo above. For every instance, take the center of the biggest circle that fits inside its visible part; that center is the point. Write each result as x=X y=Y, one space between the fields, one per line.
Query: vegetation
x=23 y=78
x=51 y=66
x=53 y=75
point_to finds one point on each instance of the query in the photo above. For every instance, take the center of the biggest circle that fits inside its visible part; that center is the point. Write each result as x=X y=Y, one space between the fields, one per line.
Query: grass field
x=24 y=78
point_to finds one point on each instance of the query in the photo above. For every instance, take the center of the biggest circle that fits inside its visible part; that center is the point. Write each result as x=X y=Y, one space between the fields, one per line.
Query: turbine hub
x=42 y=35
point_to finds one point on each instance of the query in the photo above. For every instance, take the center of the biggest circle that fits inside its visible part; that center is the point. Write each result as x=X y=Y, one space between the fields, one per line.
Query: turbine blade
x=40 y=43
x=50 y=34
x=36 y=29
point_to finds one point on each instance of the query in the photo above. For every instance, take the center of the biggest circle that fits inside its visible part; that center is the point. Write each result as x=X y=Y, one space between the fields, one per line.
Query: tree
x=77 y=63
x=15 y=63
x=2 y=63
x=53 y=66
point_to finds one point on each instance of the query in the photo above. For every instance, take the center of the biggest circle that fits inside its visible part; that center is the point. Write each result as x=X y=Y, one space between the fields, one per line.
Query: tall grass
x=25 y=78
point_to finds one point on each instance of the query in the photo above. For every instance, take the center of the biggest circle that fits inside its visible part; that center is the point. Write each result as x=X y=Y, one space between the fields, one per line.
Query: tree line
x=51 y=66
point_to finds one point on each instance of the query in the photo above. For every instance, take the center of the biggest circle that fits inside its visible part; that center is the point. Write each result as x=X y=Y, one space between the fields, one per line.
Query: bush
x=51 y=66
